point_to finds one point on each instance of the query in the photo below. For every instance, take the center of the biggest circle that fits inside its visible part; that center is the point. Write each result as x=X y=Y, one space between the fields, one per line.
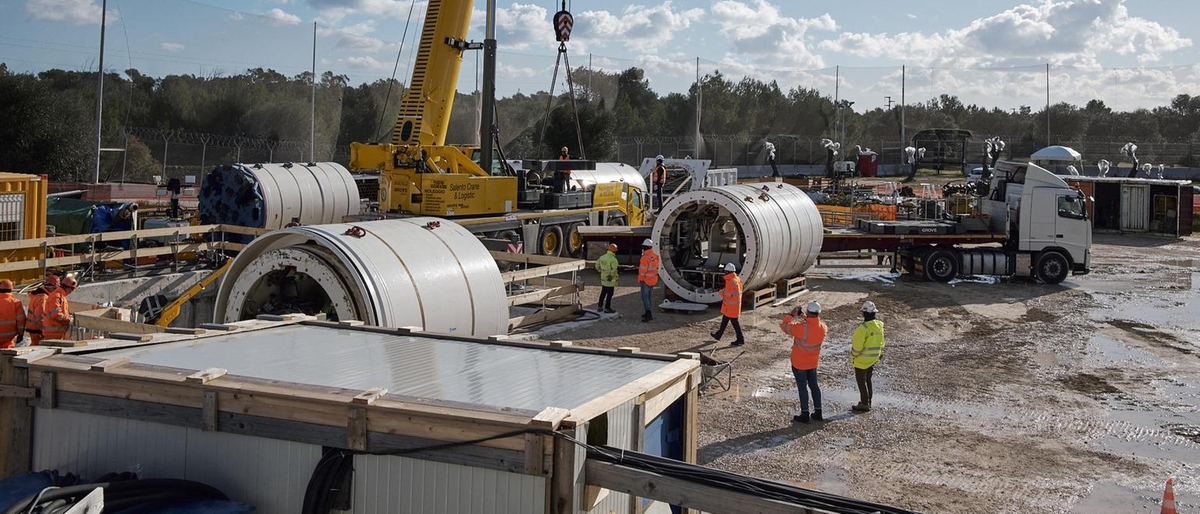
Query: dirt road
x=993 y=396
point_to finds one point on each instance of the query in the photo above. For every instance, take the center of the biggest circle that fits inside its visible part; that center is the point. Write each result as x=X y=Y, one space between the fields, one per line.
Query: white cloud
x=520 y=26
x=1060 y=32
x=333 y=11
x=171 y=47
x=637 y=26
x=75 y=12
x=760 y=35
x=278 y=18
x=237 y=16
x=362 y=62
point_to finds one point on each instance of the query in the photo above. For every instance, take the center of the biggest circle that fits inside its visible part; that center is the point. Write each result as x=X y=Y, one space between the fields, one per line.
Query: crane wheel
x=550 y=241
x=575 y=246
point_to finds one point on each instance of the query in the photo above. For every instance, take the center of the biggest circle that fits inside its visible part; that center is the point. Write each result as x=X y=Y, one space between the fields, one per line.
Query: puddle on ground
x=1115 y=498
x=1107 y=352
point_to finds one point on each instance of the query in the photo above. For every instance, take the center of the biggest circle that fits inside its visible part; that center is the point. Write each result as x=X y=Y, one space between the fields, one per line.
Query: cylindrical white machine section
x=770 y=232
x=424 y=272
x=269 y=195
x=605 y=172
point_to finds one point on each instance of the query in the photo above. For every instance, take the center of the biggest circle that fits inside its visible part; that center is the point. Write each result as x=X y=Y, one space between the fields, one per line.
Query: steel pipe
x=770 y=231
x=269 y=195
x=606 y=172
x=424 y=272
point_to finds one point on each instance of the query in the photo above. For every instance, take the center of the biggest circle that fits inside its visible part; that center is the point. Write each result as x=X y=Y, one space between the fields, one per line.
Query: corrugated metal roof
x=410 y=365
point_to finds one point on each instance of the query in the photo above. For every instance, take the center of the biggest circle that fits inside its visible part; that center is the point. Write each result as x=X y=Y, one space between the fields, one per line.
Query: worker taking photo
x=808 y=334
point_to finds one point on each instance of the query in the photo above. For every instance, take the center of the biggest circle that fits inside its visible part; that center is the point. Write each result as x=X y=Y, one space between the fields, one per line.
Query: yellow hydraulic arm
x=171 y=311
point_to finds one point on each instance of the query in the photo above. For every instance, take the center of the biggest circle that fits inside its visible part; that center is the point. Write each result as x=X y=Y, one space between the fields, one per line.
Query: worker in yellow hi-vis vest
x=865 y=351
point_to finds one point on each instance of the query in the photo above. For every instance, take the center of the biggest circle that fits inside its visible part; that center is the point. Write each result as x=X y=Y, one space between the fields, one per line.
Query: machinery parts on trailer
x=424 y=272
x=770 y=232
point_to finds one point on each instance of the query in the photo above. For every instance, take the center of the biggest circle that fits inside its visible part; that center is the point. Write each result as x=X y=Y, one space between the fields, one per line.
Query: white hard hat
x=730 y=267
x=659 y=158
x=869 y=306
x=814 y=307
x=648 y=242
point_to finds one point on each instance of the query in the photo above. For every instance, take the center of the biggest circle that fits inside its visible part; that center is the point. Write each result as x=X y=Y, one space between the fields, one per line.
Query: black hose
x=331 y=474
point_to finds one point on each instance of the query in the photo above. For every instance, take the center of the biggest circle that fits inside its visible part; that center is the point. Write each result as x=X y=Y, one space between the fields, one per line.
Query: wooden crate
x=790 y=286
x=754 y=299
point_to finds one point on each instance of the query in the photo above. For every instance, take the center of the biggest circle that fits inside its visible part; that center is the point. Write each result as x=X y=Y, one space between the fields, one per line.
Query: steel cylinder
x=424 y=272
x=769 y=231
x=269 y=195
x=605 y=172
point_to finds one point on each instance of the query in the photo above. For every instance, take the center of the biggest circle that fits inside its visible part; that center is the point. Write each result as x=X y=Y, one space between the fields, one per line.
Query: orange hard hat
x=612 y=247
x=51 y=281
x=70 y=281
x=6 y=284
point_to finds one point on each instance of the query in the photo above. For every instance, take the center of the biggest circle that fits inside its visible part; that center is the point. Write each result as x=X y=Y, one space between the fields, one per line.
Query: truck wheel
x=941 y=266
x=1051 y=267
x=550 y=241
x=575 y=244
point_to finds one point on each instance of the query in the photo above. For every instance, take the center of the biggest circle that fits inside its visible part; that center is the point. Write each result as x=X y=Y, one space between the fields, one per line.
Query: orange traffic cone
x=1168 y=505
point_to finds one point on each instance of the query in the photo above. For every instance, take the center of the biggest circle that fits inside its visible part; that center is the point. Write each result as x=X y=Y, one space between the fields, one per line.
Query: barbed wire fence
x=178 y=153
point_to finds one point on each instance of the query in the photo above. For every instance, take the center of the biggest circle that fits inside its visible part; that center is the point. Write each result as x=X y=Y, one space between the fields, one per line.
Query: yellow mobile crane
x=420 y=175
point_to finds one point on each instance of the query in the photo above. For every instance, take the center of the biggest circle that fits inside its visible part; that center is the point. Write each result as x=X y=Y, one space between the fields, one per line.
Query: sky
x=1129 y=53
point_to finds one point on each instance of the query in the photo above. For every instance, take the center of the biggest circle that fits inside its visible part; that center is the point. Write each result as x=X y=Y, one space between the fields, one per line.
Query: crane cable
x=562 y=58
x=395 y=68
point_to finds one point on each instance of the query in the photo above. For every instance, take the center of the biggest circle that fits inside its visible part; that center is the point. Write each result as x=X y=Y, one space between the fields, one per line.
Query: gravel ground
x=993 y=396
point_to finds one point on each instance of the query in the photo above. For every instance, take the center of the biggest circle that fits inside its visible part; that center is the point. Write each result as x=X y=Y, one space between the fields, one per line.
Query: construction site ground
x=993 y=395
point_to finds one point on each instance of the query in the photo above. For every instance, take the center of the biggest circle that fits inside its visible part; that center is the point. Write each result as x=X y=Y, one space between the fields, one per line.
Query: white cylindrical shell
x=398 y=273
x=781 y=226
x=606 y=172
x=269 y=195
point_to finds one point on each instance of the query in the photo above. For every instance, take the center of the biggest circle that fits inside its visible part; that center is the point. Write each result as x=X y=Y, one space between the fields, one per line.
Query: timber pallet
x=758 y=298
x=790 y=286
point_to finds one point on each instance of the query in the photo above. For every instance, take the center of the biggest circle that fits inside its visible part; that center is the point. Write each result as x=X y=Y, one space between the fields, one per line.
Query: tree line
x=49 y=123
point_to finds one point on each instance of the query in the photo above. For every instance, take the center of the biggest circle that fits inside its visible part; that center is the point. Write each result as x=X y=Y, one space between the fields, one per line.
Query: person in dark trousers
x=771 y=158
x=606 y=265
x=866 y=349
x=648 y=277
x=659 y=178
x=294 y=223
x=808 y=333
x=731 y=305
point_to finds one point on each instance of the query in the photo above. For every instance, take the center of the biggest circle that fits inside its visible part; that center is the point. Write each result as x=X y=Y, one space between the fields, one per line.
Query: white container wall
x=268 y=473
x=389 y=484
x=424 y=272
x=1135 y=207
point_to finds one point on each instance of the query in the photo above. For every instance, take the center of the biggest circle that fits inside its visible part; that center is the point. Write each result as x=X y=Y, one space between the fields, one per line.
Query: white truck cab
x=1046 y=219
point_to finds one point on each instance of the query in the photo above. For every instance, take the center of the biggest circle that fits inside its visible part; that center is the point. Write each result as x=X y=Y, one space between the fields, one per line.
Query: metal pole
x=837 y=86
x=100 y=92
x=1047 y=104
x=312 y=132
x=903 y=78
x=699 y=103
x=489 y=88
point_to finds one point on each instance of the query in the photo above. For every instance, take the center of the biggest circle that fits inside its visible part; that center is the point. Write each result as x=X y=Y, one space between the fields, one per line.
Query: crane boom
x=425 y=108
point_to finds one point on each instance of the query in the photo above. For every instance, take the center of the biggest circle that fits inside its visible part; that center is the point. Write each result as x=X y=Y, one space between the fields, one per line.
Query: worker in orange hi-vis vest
x=731 y=305
x=56 y=314
x=648 y=277
x=37 y=309
x=808 y=334
x=12 y=316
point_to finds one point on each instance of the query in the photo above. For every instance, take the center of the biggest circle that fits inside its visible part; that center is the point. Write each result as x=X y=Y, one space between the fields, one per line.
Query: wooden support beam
x=185 y=331
x=562 y=478
x=544 y=271
x=12 y=391
x=541 y=294
x=675 y=491
x=63 y=343
x=369 y=396
x=141 y=338
x=656 y=404
x=655 y=381
x=219 y=327
x=543 y=316
x=533 y=454
x=356 y=429
x=112 y=363
x=550 y=418
x=46 y=399
x=205 y=376
x=209 y=410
